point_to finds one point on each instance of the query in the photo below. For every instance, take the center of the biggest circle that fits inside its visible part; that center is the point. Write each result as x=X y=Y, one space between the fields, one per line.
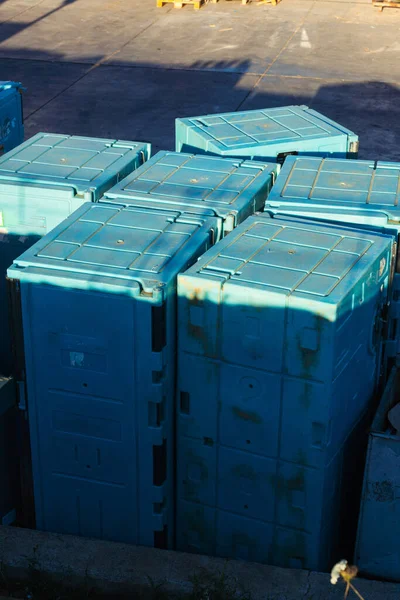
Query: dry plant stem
x=346 y=592
x=357 y=593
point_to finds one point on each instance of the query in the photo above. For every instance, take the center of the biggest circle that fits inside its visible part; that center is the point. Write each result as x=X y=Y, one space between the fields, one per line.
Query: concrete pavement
x=118 y=568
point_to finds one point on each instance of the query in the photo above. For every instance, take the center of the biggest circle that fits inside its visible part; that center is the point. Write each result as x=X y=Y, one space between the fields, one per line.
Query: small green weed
x=218 y=585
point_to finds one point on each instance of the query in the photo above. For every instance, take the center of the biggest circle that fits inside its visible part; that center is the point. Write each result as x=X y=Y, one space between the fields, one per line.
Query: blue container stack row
x=199 y=337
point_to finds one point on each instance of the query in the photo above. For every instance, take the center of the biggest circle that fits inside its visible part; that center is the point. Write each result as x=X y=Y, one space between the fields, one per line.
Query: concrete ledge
x=115 y=568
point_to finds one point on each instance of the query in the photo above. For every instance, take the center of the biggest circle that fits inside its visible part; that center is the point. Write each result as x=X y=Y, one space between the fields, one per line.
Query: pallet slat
x=180 y=3
x=273 y=2
x=198 y=3
x=381 y=4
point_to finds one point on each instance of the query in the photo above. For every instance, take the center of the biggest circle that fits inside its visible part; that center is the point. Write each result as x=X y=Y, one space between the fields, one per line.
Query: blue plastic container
x=11 y=115
x=362 y=193
x=8 y=451
x=42 y=182
x=278 y=358
x=229 y=189
x=269 y=134
x=377 y=550
x=358 y=192
x=98 y=306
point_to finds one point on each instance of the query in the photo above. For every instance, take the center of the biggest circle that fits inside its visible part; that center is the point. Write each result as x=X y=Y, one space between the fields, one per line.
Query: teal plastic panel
x=358 y=192
x=279 y=354
x=361 y=193
x=98 y=303
x=229 y=189
x=268 y=134
x=11 y=115
x=67 y=169
x=44 y=180
x=377 y=550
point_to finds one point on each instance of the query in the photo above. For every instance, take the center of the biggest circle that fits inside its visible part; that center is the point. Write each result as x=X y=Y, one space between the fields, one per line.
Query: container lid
x=9 y=85
x=73 y=161
x=201 y=182
x=294 y=256
x=267 y=126
x=338 y=185
x=7 y=394
x=105 y=247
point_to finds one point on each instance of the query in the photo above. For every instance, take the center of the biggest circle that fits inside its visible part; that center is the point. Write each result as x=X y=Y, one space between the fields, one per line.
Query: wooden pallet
x=273 y=2
x=179 y=3
x=243 y=1
x=381 y=4
x=198 y=3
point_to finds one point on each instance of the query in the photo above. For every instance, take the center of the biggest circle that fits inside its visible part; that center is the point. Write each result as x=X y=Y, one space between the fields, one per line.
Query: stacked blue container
x=42 y=182
x=11 y=115
x=98 y=304
x=269 y=134
x=8 y=452
x=377 y=549
x=229 y=189
x=280 y=338
x=363 y=193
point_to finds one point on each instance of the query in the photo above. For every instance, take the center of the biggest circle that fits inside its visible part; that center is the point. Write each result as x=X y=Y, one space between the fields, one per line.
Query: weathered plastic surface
x=8 y=451
x=362 y=193
x=98 y=297
x=63 y=170
x=279 y=346
x=229 y=189
x=42 y=182
x=378 y=549
x=11 y=115
x=269 y=134
x=359 y=192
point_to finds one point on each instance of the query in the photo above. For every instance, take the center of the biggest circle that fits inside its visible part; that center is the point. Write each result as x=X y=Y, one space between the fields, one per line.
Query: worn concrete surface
x=112 y=568
x=123 y=68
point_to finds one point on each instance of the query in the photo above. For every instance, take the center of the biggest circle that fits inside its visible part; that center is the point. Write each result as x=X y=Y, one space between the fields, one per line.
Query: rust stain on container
x=305 y=397
x=309 y=357
x=246 y=415
x=292 y=553
x=293 y=484
x=192 y=486
x=198 y=523
x=196 y=297
x=296 y=483
x=302 y=457
x=245 y=471
x=197 y=332
x=382 y=491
